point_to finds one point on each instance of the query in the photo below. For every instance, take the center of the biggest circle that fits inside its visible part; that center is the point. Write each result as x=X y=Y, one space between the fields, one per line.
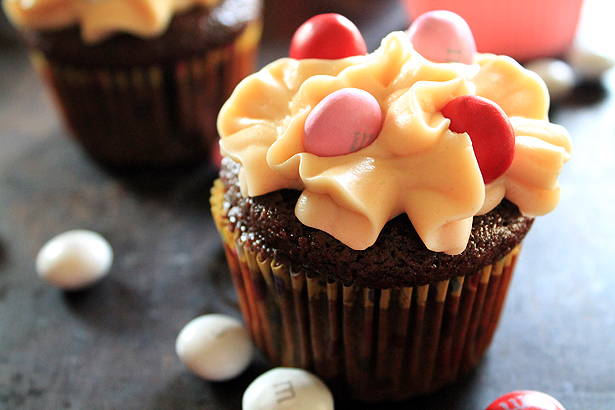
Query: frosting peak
x=99 y=18
x=416 y=165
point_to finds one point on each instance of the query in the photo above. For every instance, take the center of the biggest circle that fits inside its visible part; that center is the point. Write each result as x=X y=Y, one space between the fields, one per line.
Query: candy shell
x=345 y=121
x=215 y=347
x=489 y=128
x=587 y=63
x=442 y=36
x=328 y=36
x=286 y=388
x=525 y=400
x=557 y=75
x=74 y=259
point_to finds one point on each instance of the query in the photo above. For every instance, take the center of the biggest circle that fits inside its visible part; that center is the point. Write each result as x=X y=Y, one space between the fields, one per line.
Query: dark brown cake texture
x=268 y=224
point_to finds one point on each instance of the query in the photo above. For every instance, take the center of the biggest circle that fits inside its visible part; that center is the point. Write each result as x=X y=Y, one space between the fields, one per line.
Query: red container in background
x=522 y=29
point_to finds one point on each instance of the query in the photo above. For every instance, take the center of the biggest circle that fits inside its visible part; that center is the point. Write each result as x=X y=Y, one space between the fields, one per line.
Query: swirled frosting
x=416 y=165
x=99 y=19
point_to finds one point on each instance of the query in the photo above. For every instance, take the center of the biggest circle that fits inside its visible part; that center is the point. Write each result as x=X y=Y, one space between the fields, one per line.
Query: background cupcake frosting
x=100 y=18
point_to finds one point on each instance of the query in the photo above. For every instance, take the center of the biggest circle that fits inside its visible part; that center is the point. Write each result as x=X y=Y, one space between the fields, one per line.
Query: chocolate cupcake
x=382 y=268
x=404 y=321
x=142 y=87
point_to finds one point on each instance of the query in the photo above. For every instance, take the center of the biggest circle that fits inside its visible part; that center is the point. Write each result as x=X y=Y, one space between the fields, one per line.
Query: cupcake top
x=98 y=19
x=416 y=159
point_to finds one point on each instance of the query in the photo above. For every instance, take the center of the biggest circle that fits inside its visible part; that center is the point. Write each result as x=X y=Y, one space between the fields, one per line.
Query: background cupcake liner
x=152 y=115
x=367 y=344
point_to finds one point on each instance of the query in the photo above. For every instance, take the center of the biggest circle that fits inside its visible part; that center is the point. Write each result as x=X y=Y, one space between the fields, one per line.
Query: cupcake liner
x=153 y=115
x=367 y=344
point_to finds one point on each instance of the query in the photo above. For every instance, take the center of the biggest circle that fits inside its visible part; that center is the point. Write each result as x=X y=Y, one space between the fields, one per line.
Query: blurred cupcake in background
x=522 y=29
x=140 y=83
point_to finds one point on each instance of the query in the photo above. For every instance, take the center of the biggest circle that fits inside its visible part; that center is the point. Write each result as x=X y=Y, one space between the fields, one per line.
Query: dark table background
x=112 y=346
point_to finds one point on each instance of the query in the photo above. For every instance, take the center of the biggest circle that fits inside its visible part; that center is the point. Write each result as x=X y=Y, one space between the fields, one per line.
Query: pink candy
x=442 y=36
x=345 y=121
x=525 y=400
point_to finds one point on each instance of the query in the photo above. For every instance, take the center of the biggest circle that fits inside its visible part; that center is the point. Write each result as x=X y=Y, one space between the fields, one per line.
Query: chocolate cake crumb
x=268 y=224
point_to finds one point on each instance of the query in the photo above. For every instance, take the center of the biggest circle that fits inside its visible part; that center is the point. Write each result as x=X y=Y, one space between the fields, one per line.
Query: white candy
x=74 y=259
x=215 y=347
x=557 y=75
x=286 y=388
x=587 y=63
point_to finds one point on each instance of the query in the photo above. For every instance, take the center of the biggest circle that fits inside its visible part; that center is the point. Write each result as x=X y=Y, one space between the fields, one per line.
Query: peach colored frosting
x=416 y=165
x=99 y=18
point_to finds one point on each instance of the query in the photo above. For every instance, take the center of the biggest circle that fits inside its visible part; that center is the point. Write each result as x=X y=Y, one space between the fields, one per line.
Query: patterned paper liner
x=367 y=344
x=153 y=115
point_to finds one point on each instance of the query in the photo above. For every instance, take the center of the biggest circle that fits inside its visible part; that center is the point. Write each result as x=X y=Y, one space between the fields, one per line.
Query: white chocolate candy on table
x=215 y=347
x=587 y=63
x=285 y=388
x=74 y=259
x=557 y=75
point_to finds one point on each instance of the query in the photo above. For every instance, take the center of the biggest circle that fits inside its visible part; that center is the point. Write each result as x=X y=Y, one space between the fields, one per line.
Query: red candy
x=343 y=122
x=327 y=36
x=525 y=400
x=490 y=130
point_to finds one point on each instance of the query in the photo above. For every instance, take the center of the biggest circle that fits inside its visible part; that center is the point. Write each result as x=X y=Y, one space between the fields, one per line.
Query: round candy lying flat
x=215 y=347
x=557 y=75
x=345 y=121
x=442 y=36
x=587 y=63
x=489 y=128
x=525 y=400
x=74 y=259
x=286 y=388
x=328 y=36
